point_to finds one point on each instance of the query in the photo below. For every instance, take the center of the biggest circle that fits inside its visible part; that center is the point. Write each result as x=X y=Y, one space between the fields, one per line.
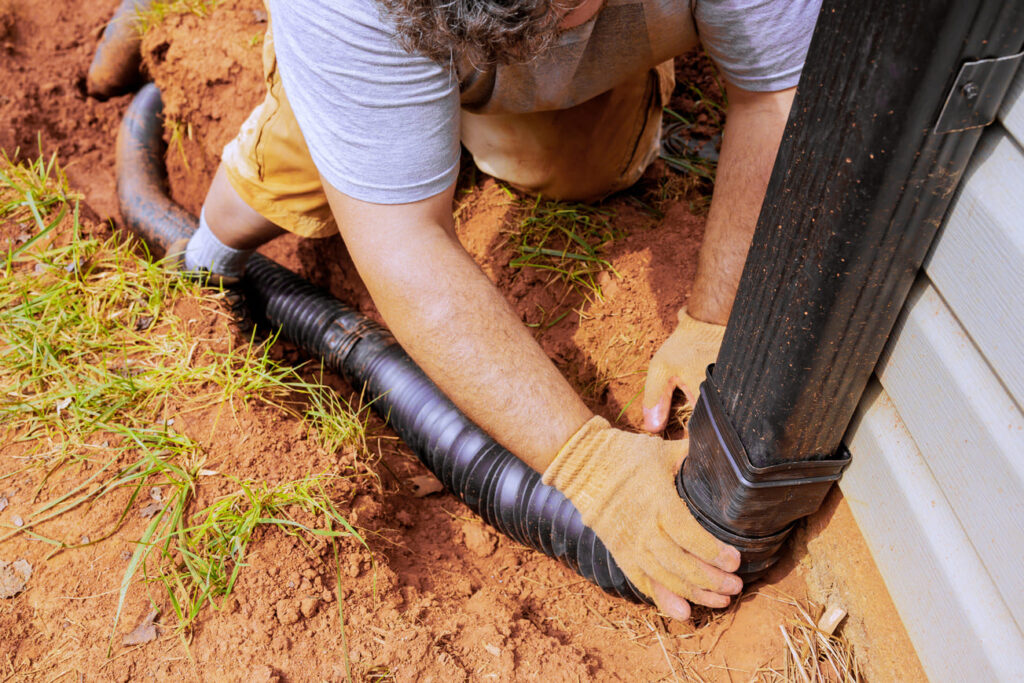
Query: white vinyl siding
x=937 y=478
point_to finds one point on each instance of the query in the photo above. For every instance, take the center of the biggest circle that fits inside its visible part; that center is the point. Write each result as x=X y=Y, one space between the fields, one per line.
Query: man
x=560 y=97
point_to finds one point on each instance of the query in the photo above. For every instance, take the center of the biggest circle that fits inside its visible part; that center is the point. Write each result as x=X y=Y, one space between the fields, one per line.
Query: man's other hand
x=680 y=363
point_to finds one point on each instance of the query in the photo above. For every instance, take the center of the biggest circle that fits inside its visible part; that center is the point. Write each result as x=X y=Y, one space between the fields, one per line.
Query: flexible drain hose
x=498 y=486
x=115 y=66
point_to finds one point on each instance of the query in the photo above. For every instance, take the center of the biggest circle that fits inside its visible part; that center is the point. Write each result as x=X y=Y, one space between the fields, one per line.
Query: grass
x=334 y=422
x=179 y=132
x=28 y=192
x=814 y=655
x=677 y=153
x=96 y=363
x=566 y=240
x=158 y=12
x=199 y=556
x=697 y=110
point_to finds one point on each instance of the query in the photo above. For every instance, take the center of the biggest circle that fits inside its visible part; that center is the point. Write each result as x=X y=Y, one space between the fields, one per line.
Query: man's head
x=484 y=31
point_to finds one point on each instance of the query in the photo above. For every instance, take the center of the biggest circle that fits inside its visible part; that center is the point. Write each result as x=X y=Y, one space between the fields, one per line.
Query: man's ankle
x=206 y=252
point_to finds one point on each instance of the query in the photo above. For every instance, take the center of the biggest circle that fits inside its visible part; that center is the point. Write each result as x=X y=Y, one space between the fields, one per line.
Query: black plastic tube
x=498 y=486
x=116 y=65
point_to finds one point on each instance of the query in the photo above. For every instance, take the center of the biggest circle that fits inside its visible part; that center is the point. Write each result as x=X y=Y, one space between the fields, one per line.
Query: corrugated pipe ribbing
x=489 y=479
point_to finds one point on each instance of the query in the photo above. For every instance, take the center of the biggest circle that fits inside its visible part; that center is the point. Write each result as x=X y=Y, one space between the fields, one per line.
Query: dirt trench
x=441 y=596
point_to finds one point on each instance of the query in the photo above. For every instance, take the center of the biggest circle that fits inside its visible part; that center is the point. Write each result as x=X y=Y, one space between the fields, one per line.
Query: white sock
x=206 y=252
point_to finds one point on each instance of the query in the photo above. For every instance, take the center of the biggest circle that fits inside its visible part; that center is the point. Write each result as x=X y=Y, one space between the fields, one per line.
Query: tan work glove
x=622 y=484
x=681 y=362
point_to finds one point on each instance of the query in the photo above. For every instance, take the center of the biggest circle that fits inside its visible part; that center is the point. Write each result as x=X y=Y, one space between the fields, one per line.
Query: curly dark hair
x=486 y=32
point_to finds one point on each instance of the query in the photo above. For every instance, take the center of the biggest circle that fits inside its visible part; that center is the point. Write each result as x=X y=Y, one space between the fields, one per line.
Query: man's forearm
x=753 y=130
x=454 y=323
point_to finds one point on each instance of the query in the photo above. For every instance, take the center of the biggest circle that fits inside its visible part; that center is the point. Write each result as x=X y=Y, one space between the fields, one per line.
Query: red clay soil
x=441 y=596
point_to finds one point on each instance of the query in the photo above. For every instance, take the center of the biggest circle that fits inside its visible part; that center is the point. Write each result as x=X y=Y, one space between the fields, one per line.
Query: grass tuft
x=157 y=13
x=199 y=556
x=96 y=359
x=333 y=420
x=565 y=239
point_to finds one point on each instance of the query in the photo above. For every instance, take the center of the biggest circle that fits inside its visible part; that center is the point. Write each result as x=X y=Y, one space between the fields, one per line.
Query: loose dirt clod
x=479 y=540
x=308 y=607
x=14 y=577
x=288 y=612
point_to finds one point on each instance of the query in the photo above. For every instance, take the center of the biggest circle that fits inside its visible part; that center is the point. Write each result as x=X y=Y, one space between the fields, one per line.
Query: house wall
x=937 y=480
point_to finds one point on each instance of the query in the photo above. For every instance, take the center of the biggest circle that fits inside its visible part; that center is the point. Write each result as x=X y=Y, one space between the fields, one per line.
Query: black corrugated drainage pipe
x=890 y=106
x=498 y=486
x=115 y=68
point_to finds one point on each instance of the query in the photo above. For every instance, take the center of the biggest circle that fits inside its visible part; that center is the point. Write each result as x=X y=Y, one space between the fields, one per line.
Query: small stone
x=830 y=619
x=308 y=607
x=17 y=521
x=327 y=596
x=150 y=510
x=84 y=540
x=288 y=612
x=14 y=577
x=493 y=649
x=424 y=485
x=145 y=632
x=3 y=503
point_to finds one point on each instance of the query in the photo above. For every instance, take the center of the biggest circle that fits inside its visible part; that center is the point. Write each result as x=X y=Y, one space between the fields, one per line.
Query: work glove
x=681 y=362
x=622 y=484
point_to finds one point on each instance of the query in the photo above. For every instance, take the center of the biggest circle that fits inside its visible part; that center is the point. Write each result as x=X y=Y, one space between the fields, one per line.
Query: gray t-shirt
x=382 y=125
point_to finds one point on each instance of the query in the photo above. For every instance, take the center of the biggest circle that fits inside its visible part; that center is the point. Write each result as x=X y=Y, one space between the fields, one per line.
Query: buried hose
x=116 y=64
x=498 y=486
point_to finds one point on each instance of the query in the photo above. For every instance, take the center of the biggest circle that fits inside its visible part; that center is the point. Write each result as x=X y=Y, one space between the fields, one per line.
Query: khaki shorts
x=582 y=154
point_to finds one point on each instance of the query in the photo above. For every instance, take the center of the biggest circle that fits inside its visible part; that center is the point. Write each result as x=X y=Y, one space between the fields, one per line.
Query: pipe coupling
x=752 y=508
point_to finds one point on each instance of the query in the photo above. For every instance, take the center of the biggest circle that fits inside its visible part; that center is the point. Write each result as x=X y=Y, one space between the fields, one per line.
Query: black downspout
x=890 y=106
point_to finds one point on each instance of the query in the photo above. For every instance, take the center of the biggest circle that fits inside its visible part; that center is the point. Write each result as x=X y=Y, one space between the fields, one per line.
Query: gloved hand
x=622 y=484
x=681 y=362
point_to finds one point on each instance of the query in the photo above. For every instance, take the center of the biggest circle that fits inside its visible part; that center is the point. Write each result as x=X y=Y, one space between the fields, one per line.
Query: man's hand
x=680 y=363
x=753 y=128
x=622 y=485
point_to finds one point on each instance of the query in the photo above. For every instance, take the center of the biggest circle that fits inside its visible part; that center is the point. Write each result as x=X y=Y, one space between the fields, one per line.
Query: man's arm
x=753 y=130
x=754 y=125
x=455 y=324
